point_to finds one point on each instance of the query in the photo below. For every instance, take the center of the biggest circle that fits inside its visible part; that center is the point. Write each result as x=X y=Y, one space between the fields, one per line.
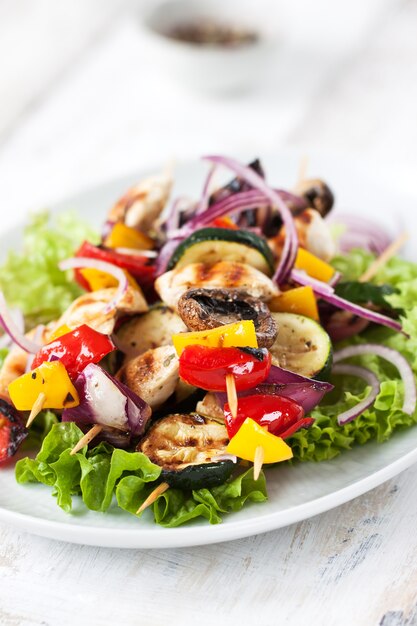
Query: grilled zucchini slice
x=149 y=330
x=302 y=346
x=211 y=245
x=184 y=446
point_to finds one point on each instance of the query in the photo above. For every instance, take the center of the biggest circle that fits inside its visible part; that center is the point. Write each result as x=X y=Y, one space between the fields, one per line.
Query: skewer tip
x=258 y=461
x=154 y=495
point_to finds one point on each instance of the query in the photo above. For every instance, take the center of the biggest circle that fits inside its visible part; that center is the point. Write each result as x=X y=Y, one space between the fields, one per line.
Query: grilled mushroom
x=318 y=195
x=203 y=309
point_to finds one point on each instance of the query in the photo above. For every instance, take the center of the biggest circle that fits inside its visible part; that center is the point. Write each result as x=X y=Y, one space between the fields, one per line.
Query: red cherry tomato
x=76 y=349
x=281 y=416
x=207 y=367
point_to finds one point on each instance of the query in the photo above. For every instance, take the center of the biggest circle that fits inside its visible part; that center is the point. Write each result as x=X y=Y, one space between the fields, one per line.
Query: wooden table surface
x=82 y=101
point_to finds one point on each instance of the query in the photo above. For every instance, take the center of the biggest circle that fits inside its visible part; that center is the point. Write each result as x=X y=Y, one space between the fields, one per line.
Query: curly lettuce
x=325 y=439
x=105 y=474
x=31 y=279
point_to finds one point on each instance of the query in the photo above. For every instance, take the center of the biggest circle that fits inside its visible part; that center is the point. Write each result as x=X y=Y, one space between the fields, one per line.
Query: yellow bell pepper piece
x=238 y=335
x=101 y=280
x=300 y=300
x=315 y=267
x=50 y=378
x=123 y=236
x=250 y=436
x=59 y=332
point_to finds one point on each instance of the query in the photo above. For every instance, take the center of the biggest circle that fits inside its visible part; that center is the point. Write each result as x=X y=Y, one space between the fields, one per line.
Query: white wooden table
x=80 y=102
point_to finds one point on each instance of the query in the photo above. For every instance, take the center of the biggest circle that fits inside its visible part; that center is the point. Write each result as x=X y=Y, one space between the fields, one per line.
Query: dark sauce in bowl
x=206 y=32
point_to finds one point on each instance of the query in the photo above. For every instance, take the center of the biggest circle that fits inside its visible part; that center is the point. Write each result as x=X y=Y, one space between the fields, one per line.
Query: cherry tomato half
x=281 y=416
x=207 y=367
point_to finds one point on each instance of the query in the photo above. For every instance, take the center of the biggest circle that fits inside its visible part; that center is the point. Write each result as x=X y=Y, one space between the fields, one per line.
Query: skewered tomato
x=281 y=416
x=207 y=367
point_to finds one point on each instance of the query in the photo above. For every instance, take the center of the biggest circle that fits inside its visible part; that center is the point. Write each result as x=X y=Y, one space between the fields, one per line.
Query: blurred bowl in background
x=209 y=45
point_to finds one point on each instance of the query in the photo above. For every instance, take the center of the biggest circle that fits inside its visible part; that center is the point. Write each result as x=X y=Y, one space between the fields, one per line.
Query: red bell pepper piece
x=76 y=349
x=281 y=416
x=207 y=367
x=138 y=266
x=12 y=430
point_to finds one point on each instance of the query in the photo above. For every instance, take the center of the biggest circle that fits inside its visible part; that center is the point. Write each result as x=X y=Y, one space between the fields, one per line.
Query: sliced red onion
x=394 y=357
x=17 y=316
x=11 y=328
x=289 y=251
x=335 y=279
x=307 y=392
x=105 y=400
x=326 y=292
x=370 y=378
x=205 y=196
x=166 y=253
x=101 y=266
x=360 y=233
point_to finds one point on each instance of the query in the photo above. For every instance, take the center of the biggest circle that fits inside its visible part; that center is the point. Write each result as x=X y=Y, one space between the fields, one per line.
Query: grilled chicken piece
x=89 y=309
x=15 y=363
x=150 y=330
x=210 y=407
x=142 y=204
x=152 y=375
x=171 y=285
x=313 y=234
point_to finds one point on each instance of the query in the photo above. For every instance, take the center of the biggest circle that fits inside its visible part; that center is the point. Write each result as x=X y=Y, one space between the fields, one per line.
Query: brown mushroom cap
x=318 y=195
x=204 y=309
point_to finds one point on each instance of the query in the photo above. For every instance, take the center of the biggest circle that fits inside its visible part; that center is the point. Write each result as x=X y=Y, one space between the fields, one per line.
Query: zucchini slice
x=302 y=346
x=211 y=245
x=185 y=446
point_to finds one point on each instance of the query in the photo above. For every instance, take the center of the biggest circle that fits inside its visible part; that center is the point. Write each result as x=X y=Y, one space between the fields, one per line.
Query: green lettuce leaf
x=92 y=474
x=325 y=439
x=97 y=474
x=176 y=507
x=31 y=279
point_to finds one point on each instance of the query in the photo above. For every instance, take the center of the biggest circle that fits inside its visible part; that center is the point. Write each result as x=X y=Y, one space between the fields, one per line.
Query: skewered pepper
x=300 y=300
x=97 y=279
x=76 y=349
x=251 y=436
x=240 y=334
x=58 y=332
x=51 y=379
x=281 y=416
x=207 y=367
x=122 y=236
x=137 y=265
x=315 y=267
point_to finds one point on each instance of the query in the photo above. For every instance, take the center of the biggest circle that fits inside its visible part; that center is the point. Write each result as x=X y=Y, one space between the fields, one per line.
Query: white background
x=82 y=101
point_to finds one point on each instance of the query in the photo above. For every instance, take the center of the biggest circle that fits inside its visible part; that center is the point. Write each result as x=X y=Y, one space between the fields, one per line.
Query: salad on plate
x=166 y=363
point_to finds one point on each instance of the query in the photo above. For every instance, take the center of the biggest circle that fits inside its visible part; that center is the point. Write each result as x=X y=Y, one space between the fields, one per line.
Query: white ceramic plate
x=296 y=492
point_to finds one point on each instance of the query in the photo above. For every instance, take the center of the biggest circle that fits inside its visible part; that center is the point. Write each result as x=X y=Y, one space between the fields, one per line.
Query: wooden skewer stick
x=388 y=253
x=159 y=490
x=258 y=461
x=36 y=408
x=231 y=394
x=93 y=432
